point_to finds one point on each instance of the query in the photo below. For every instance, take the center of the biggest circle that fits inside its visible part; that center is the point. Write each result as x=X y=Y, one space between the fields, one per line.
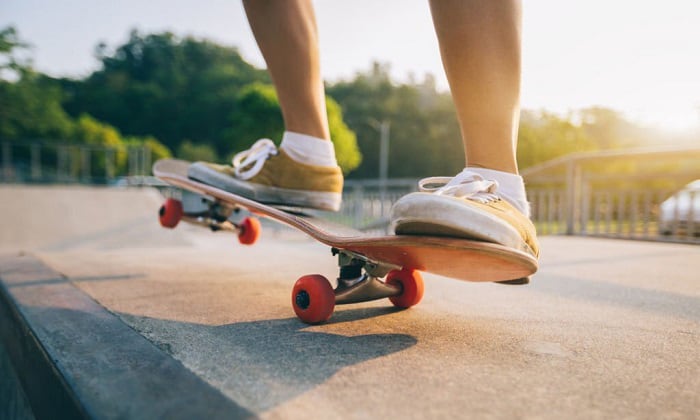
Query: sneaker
x=466 y=206
x=267 y=174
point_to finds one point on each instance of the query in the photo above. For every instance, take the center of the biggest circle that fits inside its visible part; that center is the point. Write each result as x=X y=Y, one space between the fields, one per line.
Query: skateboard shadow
x=348 y=314
x=262 y=364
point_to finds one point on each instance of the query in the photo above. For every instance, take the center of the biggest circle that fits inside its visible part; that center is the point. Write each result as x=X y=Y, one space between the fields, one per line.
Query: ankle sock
x=308 y=149
x=511 y=187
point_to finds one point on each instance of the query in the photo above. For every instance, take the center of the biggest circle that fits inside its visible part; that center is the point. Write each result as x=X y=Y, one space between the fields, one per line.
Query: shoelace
x=248 y=163
x=468 y=185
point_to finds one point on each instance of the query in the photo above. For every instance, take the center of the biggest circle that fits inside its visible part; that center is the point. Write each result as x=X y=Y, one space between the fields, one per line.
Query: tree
x=258 y=115
x=31 y=108
x=196 y=152
x=30 y=104
x=344 y=139
x=9 y=45
x=543 y=136
x=90 y=131
x=424 y=137
x=165 y=86
x=608 y=128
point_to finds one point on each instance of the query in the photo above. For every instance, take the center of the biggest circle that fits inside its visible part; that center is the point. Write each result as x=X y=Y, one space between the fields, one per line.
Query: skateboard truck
x=356 y=286
x=314 y=298
x=215 y=218
x=211 y=213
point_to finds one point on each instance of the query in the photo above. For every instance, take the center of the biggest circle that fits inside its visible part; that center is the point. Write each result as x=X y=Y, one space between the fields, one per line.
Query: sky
x=639 y=57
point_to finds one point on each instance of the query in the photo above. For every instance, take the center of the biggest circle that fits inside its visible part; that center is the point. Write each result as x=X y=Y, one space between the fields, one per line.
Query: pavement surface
x=607 y=328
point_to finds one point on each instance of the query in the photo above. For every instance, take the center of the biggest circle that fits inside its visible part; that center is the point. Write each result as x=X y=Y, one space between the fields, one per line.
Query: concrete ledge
x=74 y=359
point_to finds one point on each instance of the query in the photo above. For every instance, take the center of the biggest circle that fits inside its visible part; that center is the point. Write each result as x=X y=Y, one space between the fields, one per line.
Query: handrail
x=574 y=177
x=580 y=157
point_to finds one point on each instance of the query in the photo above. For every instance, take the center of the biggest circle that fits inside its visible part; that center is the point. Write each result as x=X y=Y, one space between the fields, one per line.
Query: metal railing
x=367 y=203
x=617 y=213
x=565 y=196
x=54 y=162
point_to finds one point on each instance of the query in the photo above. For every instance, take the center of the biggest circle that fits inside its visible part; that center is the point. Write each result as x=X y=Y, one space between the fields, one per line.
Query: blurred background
x=93 y=92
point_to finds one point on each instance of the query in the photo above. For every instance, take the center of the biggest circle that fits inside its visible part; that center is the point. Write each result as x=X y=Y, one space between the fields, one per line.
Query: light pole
x=383 y=128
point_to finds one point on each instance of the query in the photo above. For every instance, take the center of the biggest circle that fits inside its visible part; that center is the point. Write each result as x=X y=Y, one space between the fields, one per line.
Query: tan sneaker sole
x=437 y=215
x=320 y=200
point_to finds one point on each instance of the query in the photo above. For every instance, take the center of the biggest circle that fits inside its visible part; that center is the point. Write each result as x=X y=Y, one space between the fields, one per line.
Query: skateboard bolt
x=302 y=299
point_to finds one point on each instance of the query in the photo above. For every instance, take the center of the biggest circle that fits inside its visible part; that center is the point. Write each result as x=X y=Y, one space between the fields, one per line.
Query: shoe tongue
x=470 y=184
x=466 y=176
x=465 y=183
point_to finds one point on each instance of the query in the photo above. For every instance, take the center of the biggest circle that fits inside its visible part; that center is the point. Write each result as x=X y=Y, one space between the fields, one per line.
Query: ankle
x=308 y=149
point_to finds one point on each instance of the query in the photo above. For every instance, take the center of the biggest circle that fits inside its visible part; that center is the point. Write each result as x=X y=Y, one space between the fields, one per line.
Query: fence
x=653 y=205
x=52 y=162
x=565 y=196
x=620 y=213
x=569 y=198
x=367 y=203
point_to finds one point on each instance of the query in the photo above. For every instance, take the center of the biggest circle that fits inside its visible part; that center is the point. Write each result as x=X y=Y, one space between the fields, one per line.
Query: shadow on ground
x=262 y=364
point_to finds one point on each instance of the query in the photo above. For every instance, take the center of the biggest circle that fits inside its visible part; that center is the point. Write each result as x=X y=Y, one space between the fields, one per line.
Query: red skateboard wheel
x=411 y=283
x=249 y=231
x=170 y=213
x=313 y=299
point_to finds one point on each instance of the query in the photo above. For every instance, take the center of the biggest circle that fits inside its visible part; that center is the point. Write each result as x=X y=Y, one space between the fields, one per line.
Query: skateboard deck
x=376 y=254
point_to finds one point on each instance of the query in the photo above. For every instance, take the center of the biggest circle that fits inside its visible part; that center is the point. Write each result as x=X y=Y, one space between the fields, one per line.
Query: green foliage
x=30 y=103
x=196 y=152
x=88 y=130
x=31 y=108
x=157 y=149
x=9 y=40
x=344 y=140
x=609 y=129
x=206 y=102
x=168 y=87
x=9 y=44
x=257 y=115
x=363 y=101
x=544 y=136
x=424 y=135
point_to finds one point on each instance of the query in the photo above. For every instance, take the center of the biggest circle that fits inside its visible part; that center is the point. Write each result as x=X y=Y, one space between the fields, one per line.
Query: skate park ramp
x=104 y=314
x=69 y=217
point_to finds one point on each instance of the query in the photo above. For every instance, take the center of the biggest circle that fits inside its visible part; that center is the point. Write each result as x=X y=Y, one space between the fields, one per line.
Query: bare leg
x=480 y=48
x=286 y=33
x=303 y=171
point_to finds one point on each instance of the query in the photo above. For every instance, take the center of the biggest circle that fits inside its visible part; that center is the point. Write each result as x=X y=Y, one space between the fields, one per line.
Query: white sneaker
x=466 y=206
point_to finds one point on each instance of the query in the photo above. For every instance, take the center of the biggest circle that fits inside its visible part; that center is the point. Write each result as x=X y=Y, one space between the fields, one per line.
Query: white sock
x=511 y=187
x=308 y=149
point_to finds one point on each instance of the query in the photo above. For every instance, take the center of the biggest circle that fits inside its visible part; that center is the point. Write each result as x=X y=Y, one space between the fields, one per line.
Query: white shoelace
x=248 y=163
x=468 y=185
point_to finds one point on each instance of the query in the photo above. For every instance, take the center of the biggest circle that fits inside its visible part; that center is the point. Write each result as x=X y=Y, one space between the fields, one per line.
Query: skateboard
x=364 y=259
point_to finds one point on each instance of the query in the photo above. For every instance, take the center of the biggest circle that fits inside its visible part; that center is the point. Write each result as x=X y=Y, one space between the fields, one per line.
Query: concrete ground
x=607 y=328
